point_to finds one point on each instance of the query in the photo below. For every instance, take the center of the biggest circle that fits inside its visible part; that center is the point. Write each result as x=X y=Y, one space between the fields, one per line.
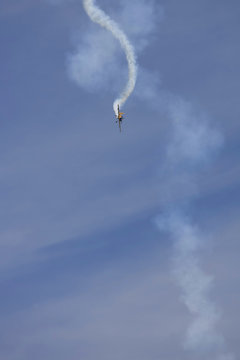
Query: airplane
x=119 y=117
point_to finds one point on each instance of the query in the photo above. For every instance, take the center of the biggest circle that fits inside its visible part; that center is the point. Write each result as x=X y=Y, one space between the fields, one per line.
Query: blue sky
x=87 y=247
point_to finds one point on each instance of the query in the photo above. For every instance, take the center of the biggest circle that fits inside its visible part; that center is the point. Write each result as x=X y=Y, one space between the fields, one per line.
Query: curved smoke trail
x=98 y=16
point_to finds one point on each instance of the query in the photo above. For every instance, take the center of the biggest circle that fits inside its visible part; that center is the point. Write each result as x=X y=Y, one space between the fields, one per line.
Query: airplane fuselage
x=119 y=117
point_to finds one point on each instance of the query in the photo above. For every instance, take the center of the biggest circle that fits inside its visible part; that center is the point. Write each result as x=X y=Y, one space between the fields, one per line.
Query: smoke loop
x=98 y=16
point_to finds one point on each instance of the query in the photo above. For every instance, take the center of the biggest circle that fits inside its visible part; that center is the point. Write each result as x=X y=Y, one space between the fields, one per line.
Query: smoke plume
x=98 y=16
x=192 y=144
x=195 y=284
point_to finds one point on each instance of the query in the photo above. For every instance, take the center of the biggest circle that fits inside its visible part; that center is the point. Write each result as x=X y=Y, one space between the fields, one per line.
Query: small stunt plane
x=119 y=117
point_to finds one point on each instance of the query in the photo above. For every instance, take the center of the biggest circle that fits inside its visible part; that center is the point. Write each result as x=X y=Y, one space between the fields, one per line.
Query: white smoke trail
x=98 y=16
x=192 y=144
x=194 y=283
